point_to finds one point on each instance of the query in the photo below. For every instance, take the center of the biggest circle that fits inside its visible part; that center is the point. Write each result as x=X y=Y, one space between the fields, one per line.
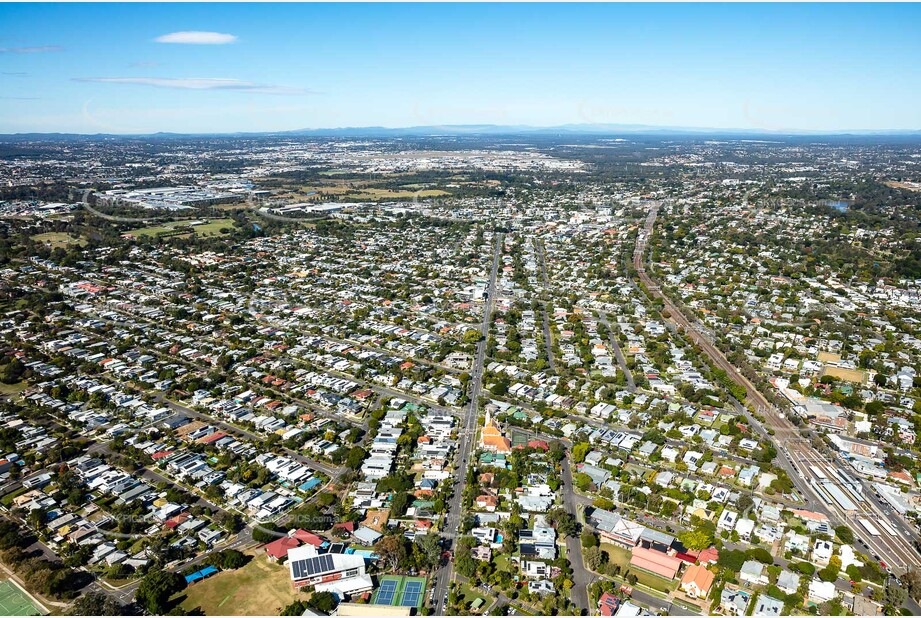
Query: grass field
x=211 y=228
x=371 y=193
x=260 y=588
x=7 y=500
x=15 y=602
x=56 y=239
x=12 y=389
x=328 y=189
x=848 y=375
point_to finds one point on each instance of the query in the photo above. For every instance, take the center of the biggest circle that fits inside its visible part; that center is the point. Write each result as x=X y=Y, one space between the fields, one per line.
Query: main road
x=467 y=433
x=581 y=577
x=897 y=551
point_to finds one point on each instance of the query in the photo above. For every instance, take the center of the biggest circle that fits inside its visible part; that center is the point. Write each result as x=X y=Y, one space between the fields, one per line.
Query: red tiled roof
x=308 y=538
x=278 y=548
x=711 y=554
x=214 y=437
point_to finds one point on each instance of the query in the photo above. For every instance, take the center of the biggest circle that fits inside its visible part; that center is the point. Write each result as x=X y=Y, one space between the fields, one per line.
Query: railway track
x=898 y=550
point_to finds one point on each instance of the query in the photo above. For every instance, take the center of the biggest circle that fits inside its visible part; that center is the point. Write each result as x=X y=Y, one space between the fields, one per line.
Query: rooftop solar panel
x=310 y=567
x=299 y=568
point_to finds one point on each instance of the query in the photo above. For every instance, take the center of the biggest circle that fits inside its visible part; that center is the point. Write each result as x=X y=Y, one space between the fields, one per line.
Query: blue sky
x=122 y=68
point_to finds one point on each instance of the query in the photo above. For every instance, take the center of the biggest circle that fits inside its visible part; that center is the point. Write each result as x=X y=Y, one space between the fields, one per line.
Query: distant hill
x=484 y=130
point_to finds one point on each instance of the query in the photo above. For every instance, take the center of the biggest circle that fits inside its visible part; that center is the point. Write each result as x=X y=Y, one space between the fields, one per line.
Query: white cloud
x=194 y=37
x=197 y=83
x=30 y=50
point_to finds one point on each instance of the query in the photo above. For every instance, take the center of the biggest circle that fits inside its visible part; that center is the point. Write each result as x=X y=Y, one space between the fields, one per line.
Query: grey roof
x=768 y=606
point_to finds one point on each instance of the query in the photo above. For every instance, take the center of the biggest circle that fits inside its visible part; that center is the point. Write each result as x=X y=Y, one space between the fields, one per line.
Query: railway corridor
x=835 y=492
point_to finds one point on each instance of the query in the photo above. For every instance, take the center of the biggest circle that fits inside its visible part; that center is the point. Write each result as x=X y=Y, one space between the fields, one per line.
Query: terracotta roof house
x=487 y=502
x=709 y=556
x=697 y=581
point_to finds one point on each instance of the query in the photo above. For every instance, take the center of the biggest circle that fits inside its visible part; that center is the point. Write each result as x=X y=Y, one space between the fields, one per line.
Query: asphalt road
x=467 y=434
x=548 y=342
x=618 y=353
x=581 y=577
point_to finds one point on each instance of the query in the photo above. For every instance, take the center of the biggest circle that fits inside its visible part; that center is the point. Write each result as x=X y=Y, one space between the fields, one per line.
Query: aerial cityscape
x=518 y=340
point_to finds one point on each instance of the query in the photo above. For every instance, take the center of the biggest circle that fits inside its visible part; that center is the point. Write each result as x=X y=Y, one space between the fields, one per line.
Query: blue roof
x=202 y=574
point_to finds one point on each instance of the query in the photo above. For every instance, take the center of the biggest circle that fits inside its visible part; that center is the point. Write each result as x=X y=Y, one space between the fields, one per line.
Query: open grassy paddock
x=210 y=227
x=13 y=389
x=857 y=376
x=257 y=589
x=56 y=239
x=370 y=193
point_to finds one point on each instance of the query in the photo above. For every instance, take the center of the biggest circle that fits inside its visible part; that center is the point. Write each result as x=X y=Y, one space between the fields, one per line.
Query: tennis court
x=400 y=591
x=387 y=592
x=412 y=593
x=15 y=602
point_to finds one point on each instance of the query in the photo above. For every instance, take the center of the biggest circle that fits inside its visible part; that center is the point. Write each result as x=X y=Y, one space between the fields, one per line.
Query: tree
x=731 y=560
x=430 y=546
x=391 y=549
x=830 y=572
x=845 y=534
x=698 y=539
x=472 y=336
x=580 y=450
x=592 y=557
x=266 y=533
x=295 y=609
x=398 y=504
x=589 y=539
x=764 y=556
x=912 y=581
x=323 y=601
x=229 y=559
x=582 y=481
x=894 y=596
x=156 y=588
x=603 y=503
x=355 y=457
x=564 y=522
x=228 y=521
x=745 y=502
x=96 y=604
x=463 y=560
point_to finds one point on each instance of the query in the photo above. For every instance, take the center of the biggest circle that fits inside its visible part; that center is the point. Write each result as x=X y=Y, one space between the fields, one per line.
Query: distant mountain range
x=574 y=129
x=612 y=130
